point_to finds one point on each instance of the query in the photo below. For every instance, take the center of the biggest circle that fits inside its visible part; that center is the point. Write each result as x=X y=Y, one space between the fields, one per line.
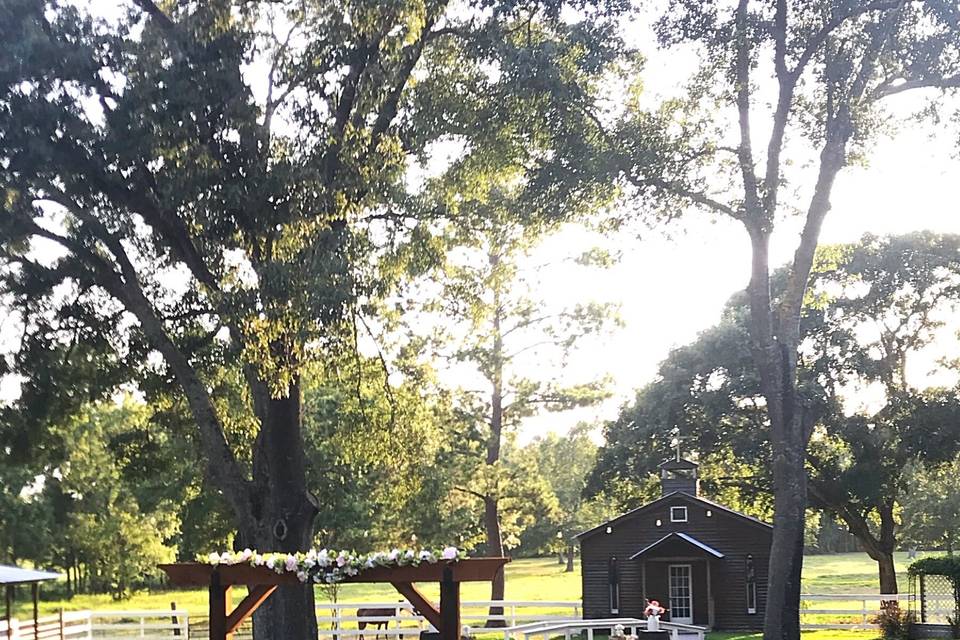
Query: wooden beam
x=466 y=570
x=248 y=605
x=449 y=606
x=421 y=603
x=9 y=599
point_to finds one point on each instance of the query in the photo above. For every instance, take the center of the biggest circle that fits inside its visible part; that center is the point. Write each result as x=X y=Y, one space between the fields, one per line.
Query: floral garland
x=329 y=566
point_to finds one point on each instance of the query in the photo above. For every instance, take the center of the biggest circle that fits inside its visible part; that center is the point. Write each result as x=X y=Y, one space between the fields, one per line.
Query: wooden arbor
x=262 y=582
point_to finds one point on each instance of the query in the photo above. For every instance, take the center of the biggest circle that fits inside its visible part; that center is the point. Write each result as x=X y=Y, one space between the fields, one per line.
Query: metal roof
x=16 y=575
x=686 y=538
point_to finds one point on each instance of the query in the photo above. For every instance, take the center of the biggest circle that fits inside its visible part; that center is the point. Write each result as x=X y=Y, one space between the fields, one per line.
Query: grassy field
x=537 y=579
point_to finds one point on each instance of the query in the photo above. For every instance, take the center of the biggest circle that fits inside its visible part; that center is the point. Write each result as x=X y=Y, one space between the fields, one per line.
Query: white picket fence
x=88 y=625
x=522 y=620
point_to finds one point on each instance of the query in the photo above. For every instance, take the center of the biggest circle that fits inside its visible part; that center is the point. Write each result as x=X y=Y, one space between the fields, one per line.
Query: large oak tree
x=233 y=173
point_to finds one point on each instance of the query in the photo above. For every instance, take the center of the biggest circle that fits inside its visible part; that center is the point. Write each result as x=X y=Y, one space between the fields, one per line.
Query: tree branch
x=892 y=87
x=742 y=71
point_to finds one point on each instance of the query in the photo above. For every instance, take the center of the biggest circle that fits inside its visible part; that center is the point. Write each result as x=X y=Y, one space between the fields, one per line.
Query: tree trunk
x=888 y=543
x=491 y=521
x=286 y=516
x=570 y=566
x=888 y=575
x=775 y=359
x=560 y=559
x=491 y=506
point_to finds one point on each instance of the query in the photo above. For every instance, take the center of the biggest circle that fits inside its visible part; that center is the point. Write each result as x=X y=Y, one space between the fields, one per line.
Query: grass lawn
x=536 y=579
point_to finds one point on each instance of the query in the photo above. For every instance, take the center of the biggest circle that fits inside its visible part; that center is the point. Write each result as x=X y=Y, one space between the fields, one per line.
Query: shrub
x=895 y=623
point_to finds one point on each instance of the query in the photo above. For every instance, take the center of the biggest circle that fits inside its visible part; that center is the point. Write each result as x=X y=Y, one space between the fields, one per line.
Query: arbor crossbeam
x=263 y=582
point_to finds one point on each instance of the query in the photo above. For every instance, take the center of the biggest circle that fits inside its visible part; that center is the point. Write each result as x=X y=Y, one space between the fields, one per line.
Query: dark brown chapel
x=704 y=562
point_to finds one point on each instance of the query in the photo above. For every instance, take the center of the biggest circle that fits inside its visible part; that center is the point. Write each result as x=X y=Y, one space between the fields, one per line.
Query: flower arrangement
x=330 y=566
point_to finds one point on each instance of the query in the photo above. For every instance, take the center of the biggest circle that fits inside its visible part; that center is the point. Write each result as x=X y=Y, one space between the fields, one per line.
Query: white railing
x=405 y=620
x=848 y=610
x=568 y=628
x=146 y=625
x=118 y=625
x=62 y=625
x=340 y=620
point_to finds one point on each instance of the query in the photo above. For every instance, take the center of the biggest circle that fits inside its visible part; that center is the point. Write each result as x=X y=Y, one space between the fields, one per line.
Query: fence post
x=173 y=619
x=513 y=615
x=61 y=622
x=863 y=618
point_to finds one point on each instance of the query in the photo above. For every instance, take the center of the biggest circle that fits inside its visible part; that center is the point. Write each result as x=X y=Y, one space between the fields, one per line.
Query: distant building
x=705 y=562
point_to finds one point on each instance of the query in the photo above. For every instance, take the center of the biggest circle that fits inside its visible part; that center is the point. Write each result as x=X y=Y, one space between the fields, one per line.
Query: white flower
x=301 y=576
x=270 y=563
x=341 y=559
x=426 y=555
x=214 y=558
x=225 y=558
x=393 y=555
x=450 y=553
x=291 y=562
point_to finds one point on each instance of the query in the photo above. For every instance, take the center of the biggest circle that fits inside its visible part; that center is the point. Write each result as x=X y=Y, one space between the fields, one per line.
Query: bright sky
x=670 y=289
x=672 y=282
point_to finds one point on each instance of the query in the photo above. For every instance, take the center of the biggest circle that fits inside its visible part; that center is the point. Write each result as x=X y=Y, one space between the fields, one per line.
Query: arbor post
x=449 y=606
x=220 y=601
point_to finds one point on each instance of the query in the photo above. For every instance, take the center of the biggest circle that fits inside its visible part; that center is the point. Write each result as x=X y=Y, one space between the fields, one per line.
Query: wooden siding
x=734 y=536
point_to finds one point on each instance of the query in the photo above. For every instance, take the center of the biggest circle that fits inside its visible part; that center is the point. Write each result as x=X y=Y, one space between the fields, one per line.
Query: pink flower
x=450 y=553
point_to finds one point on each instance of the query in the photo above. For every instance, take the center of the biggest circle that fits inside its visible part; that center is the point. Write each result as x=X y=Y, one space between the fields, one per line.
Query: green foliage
x=370 y=444
x=119 y=540
x=948 y=566
x=564 y=462
x=931 y=508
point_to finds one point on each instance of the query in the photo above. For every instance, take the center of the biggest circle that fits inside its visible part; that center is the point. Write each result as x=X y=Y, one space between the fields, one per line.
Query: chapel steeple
x=679 y=474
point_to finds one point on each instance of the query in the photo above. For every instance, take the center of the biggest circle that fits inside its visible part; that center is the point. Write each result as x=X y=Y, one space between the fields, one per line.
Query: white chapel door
x=681 y=593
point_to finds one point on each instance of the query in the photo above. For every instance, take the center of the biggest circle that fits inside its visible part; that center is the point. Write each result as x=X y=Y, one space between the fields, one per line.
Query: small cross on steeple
x=676 y=440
